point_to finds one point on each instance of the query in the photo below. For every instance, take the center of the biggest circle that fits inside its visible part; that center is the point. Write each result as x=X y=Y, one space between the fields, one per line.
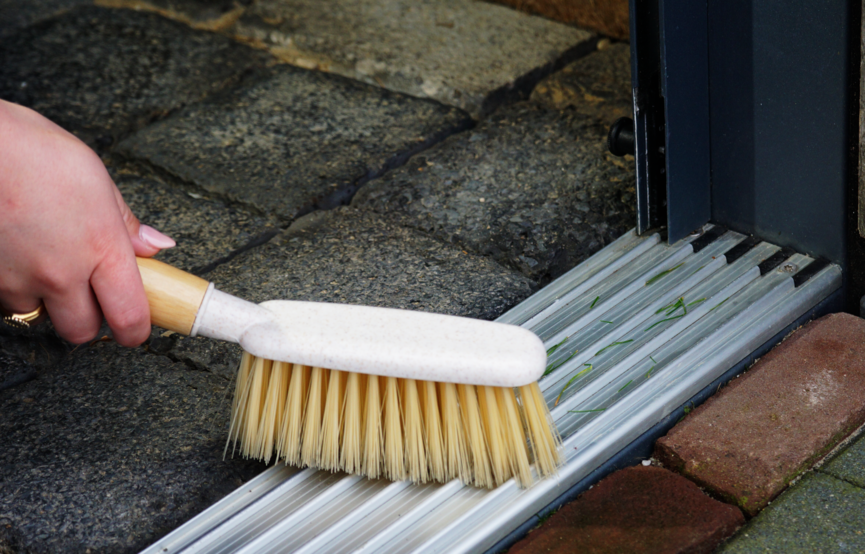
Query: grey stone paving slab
x=198 y=353
x=346 y=255
x=103 y=73
x=532 y=187
x=15 y=14
x=111 y=449
x=597 y=86
x=849 y=464
x=206 y=230
x=14 y=372
x=293 y=141
x=465 y=53
x=213 y=15
x=819 y=514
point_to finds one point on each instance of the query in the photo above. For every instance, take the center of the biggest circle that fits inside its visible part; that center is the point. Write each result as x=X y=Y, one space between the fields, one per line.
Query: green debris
x=568 y=384
x=696 y=302
x=663 y=320
x=595 y=301
x=555 y=347
x=617 y=343
x=626 y=385
x=719 y=304
x=605 y=321
x=663 y=274
x=672 y=307
x=551 y=368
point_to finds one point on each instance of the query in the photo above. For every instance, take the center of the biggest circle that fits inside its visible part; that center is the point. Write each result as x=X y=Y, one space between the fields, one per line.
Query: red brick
x=640 y=509
x=748 y=442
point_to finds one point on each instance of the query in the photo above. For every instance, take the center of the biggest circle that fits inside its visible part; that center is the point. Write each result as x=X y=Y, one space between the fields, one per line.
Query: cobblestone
x=207 y=231
x=104 y=73
x=107 y=440
x=294 y=141
x=473 y=55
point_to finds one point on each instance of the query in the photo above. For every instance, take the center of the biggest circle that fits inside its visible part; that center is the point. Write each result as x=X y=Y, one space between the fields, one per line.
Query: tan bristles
x=288 y=444
x=396 y=428
x=433 y=431
x=495 y=435
x=542 y=435
x=459 y=466
x=330 y=425
x=351 y=457
x=373 y=443
x=477 y=443
x=394 y=453
x=510 y=415
x=310 y=444
x=415 y=448
x=271 y=414
x=260 y=378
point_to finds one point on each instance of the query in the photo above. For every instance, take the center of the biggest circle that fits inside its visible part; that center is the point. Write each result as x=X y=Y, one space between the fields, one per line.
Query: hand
x=67 y=238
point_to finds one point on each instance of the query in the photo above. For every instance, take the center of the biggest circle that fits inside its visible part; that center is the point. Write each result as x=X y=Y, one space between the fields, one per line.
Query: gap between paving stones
x=475 y=55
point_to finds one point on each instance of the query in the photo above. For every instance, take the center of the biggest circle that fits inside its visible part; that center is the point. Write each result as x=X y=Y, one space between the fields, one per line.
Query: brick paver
x=639 y=509
x=748 y=442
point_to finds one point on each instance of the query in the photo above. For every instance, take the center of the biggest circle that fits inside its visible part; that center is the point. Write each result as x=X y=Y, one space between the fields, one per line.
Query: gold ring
x=24 y=321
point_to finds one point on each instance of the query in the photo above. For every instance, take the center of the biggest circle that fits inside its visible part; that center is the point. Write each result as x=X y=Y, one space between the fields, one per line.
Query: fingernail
x=154 y=238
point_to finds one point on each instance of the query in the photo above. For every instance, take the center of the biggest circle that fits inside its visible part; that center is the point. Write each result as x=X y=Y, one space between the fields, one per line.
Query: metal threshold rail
x=637 y=330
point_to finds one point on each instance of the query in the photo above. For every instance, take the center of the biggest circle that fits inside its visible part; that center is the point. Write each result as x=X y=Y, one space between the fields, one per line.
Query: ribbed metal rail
x=634 y=332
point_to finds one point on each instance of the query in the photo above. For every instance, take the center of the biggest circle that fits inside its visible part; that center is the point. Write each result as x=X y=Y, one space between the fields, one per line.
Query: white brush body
x=376 y=341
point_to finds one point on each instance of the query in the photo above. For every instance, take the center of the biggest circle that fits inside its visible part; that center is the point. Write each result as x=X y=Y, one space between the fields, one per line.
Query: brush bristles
x=396 y=428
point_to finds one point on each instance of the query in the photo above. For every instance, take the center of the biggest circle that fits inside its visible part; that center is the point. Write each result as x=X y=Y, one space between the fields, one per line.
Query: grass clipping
x=390 y=427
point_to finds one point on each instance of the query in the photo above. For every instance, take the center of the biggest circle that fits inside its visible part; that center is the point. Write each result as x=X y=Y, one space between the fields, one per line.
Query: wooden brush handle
x=174 y=295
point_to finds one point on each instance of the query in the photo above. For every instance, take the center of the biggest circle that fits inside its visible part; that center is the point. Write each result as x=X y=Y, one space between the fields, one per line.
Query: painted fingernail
x=154 y=238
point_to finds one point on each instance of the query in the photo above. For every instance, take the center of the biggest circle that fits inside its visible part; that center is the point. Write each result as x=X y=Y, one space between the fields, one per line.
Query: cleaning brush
x=372 y=391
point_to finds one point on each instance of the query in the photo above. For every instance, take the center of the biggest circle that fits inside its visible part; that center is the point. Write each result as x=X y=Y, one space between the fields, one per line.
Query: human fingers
x=118 y=288
x=146 y=241
x=18 y=304
x=75 y=314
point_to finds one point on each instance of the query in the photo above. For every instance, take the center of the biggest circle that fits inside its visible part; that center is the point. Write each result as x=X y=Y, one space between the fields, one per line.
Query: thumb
x=146 y=241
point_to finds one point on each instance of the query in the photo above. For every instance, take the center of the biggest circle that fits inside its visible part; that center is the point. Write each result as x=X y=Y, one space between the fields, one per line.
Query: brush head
x=396 y=343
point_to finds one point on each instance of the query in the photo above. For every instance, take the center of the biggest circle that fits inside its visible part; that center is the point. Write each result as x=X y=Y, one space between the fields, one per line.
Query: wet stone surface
x=596 y=86
x=472 y=55
x=198 y=353
x=102 y=73
x=15 y=14
x=207 y=231
x=211 y=15
x=293 y=141
x=818 y=514
x=108 y=439
x=531 y=187
x=345 y=255
x=849 y=465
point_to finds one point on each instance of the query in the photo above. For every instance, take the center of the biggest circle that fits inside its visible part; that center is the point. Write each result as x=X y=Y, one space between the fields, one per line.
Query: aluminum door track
x=638 y=329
